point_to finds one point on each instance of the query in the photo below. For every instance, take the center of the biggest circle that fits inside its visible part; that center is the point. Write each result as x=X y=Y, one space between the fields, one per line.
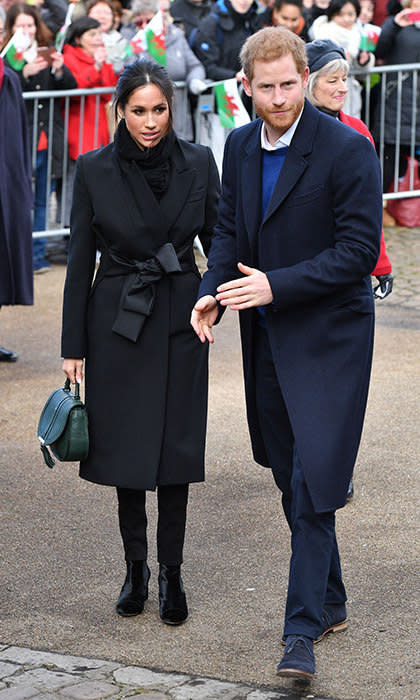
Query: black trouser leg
x=172 y=507
x=133 y=523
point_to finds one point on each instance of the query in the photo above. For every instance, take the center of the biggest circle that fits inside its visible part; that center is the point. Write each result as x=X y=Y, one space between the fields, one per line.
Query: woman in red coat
x=84 y=54
x=327 y=90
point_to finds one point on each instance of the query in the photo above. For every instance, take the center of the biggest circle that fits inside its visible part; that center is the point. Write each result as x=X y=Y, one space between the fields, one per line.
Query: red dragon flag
x=230 y=107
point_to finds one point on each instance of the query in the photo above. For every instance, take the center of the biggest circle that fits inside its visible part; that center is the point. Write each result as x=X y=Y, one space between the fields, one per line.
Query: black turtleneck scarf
x=153 y=162
x=331 y=112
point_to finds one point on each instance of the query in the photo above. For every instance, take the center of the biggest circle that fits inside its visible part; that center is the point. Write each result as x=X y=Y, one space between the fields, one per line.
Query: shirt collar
x=284 y=140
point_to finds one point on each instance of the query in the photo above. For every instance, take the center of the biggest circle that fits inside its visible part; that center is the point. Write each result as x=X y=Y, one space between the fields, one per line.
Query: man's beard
x=280 y=123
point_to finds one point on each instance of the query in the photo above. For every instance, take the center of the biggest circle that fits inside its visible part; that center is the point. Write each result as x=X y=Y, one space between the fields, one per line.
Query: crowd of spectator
x=203 y=39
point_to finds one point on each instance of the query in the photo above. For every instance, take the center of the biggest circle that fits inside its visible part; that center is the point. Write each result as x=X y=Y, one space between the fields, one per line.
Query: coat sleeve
x=193 y=67
x=356 y=200
x=80 y=270
x=387 y=38
x=213 y=192
x=222 y=263
x=383 y=265
x=66 y=82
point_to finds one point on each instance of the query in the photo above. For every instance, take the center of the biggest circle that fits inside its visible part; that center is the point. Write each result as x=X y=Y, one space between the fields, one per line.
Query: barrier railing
x=208 y=131
x=393 y=80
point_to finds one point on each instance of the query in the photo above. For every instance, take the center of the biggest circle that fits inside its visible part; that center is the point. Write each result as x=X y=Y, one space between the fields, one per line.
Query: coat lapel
x=180 y=183
x=251 y=185
x=296 y=161
x=157 y=218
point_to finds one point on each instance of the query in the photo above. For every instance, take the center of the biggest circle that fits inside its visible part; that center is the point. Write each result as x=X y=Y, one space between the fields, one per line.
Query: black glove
x=384 y=287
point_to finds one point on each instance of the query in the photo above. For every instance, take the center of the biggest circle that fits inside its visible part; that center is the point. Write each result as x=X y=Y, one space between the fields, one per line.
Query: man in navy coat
x=300 y=221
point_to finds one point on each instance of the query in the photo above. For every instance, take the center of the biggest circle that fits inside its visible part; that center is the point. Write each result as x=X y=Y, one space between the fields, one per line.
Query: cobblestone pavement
x=25 y=673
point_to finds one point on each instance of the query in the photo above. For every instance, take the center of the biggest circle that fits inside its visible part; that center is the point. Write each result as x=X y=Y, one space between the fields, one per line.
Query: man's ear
x=246 y=86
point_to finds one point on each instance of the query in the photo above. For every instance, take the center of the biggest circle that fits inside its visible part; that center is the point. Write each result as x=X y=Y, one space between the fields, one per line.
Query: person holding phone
x=398 y=43
x=43 y=69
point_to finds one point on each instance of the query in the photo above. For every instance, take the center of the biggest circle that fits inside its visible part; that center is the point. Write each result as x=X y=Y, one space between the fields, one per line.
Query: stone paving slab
x=29 y=673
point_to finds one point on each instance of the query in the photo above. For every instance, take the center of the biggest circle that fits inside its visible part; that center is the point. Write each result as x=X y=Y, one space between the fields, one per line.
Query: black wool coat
x=146 y=396
x=318 y=243
x=16 y=267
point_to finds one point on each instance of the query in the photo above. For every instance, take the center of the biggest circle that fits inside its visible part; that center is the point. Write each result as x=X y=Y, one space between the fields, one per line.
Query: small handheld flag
x=230 y=107
x=15 y=48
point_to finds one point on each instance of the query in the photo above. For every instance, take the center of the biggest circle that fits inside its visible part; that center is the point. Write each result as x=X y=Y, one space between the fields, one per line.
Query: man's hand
x=245 y=292
x=203 y=317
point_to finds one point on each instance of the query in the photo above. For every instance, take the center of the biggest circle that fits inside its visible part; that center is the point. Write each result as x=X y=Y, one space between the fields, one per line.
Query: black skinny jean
x=172 y=515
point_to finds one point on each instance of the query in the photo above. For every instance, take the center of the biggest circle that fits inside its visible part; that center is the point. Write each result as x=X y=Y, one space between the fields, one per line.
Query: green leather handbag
x=63 y=426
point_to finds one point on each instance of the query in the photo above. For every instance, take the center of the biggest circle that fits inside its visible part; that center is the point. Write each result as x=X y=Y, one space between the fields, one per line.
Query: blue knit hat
x=322 y=51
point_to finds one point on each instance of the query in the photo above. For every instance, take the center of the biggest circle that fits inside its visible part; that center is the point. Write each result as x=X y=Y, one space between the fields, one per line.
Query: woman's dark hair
x=43 y=35
x=138 y=75
x=278 y=4
x=79 y=27
x=336 y=6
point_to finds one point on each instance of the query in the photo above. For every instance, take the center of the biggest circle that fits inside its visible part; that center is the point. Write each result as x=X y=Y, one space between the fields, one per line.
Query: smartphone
x=414 y=16
x=45 y=53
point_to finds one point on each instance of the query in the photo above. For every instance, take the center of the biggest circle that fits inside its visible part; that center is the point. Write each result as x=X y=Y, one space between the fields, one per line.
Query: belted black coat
x=146 y=385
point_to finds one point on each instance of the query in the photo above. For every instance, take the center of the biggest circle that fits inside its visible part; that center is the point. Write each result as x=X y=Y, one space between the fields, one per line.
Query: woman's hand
x=363 y=58
x=57 y=61
x=73 y=369
x=99 y=56
x=402 y=18
x=34 y=67
x=203 y=316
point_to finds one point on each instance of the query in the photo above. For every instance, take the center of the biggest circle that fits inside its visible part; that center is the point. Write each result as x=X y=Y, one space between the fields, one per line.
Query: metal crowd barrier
x=209 y=131
x=393 y=78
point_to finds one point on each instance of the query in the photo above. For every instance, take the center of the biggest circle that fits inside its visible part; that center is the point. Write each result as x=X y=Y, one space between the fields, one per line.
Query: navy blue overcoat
x=16 y=270
x=318 y=243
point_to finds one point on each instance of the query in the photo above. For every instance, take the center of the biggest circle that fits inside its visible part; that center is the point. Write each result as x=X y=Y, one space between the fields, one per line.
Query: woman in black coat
x=141 y=201
x=16 y=277
x=42 y=69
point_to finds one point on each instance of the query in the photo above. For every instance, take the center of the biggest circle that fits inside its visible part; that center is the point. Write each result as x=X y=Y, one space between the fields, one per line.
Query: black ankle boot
x=172 y=602
x=134 y=592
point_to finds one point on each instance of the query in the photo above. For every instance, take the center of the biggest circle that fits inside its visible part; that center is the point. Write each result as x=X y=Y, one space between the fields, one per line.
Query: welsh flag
x=61 y=34
x=155 y=39
x=15 y=49
x=137 y=44
x=369 y=37
x=230 y=107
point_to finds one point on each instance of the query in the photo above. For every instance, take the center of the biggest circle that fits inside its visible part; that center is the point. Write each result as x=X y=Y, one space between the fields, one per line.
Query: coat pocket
x=300 y=200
